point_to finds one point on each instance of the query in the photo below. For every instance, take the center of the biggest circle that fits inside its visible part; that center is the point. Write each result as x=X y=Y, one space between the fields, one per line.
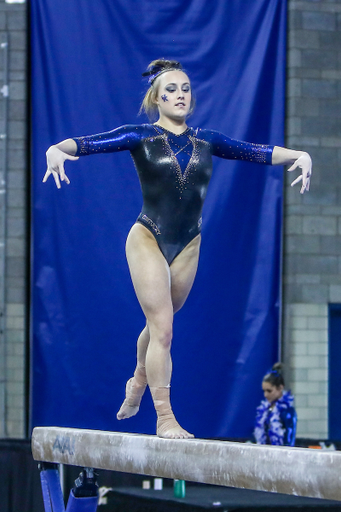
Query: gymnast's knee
x=161 y=332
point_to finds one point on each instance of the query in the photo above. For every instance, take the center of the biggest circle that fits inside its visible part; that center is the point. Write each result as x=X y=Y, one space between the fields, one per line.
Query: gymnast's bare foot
x=131 y=404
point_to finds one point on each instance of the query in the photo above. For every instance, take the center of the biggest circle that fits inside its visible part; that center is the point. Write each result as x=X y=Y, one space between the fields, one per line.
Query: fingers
x=293 y=167
x=46 y=175
x=304 y=163
x=55 y=165
x=55 y=175
x=305 y=185
x=56 y=179
x=61 y=172
x=297 y=180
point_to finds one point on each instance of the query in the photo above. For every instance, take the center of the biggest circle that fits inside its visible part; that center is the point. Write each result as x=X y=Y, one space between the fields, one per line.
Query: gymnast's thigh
x=150 y=274
x=183 y=271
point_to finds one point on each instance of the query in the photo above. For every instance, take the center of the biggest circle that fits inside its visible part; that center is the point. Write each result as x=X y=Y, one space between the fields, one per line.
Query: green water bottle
x=179 y=488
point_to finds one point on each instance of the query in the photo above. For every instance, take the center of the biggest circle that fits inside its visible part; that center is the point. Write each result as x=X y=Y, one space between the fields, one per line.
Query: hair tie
x=157 y=70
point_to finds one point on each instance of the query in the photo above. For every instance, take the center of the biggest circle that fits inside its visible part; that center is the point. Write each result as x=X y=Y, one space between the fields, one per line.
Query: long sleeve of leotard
x=123 y=138
x=127 y=137
x=289 y=420
x=232 y=149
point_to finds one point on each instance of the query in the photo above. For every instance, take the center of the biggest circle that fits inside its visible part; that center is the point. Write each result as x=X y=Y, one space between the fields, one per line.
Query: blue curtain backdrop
x=87 y=60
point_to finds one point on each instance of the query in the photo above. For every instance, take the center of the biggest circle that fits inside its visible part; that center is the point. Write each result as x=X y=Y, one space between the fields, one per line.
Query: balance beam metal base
x=297 y=471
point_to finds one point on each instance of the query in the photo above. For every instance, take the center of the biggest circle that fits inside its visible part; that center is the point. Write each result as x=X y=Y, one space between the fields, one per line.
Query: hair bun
x=275 y=375
x=278 y=367
x=152 y=71
x=159 y=66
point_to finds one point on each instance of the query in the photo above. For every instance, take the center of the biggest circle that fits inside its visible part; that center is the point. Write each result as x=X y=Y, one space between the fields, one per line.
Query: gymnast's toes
x=174 y=433
x=127 y=411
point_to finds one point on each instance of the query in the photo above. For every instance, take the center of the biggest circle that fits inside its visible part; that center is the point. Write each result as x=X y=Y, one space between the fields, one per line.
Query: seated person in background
x=276 y=417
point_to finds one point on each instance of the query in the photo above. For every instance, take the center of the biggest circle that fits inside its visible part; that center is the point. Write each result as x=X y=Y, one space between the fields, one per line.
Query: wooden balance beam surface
x=297 y=471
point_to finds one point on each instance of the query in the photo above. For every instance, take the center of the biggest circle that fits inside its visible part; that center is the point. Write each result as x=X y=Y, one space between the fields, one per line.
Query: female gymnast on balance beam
x=174 y=165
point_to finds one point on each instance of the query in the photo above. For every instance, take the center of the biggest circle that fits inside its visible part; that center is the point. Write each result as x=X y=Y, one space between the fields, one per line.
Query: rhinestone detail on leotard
x=151 y=224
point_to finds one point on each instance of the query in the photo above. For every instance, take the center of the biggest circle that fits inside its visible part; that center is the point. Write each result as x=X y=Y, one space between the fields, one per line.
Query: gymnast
x=174 y=165
x=276 y=417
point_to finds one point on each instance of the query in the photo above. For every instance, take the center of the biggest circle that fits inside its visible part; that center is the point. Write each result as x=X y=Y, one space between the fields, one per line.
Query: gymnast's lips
x=180 y=104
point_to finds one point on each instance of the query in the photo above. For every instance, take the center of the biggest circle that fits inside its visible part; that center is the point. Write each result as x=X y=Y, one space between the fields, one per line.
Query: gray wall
x=312 y=223
x=13 y=242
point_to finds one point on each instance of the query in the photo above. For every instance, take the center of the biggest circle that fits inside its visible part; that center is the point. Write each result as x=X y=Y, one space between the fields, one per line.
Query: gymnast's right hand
x=55 y=158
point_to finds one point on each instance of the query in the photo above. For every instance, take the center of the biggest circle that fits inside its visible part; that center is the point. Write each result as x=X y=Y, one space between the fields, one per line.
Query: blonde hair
x=158 y=67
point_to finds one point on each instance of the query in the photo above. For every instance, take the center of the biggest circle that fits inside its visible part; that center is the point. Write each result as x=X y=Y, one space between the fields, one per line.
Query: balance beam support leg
x=50 y=484
x=84 y=496
x=81 y=504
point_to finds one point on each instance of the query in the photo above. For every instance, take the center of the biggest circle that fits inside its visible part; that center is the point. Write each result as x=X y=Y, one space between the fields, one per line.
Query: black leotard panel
x=174 y=173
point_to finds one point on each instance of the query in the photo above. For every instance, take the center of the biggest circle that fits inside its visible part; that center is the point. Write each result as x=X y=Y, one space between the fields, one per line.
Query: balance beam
x=297 y=471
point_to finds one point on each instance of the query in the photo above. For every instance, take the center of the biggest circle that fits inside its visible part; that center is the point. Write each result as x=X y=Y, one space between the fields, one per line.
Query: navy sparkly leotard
x=174 y=172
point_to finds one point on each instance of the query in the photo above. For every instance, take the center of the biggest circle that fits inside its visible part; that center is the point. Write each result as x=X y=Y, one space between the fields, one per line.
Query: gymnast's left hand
x=55 y=158
x=304 y=163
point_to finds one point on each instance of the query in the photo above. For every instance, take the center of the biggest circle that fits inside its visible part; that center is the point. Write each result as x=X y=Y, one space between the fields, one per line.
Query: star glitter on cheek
x=164 y=97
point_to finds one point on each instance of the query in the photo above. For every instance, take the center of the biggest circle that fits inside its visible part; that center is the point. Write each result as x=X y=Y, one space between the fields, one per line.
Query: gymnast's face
x=174 y=95
x=272 y=393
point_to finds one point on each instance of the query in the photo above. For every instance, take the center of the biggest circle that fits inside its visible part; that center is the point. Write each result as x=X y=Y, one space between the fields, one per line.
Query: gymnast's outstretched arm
x=232 y=149
x=300 y=159
x=125 y=137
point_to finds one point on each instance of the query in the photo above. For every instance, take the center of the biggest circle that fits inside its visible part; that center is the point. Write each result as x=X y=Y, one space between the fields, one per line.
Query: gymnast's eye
x=186 y=88
x=170 y=89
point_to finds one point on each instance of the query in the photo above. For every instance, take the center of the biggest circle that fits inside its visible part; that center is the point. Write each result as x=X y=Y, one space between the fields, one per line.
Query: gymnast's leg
x=151 y=277
x=183 y=270
x=136 y=386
